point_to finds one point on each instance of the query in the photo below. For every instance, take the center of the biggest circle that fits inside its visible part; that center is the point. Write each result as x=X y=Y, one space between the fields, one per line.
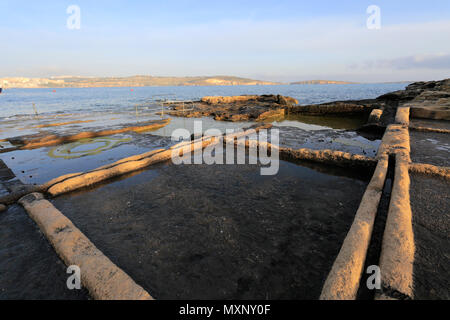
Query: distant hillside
x=322 y=82
x=134 y=81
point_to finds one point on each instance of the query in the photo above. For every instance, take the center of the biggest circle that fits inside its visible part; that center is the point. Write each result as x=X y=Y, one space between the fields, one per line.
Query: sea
x=16 y=103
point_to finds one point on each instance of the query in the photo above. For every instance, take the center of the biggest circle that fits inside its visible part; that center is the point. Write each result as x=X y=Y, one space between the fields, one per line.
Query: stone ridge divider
x=343 y=280
x=52 y=139
x=102 y=278
x=423 y=168
x=375 y=116
x=402 y=116
x=397 y=255
x=328 y=157
x=426 y=129
x=395 y=140
x=398 y=247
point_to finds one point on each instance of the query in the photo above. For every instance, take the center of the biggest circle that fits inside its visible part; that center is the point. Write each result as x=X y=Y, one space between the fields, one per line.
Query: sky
x=267 y=40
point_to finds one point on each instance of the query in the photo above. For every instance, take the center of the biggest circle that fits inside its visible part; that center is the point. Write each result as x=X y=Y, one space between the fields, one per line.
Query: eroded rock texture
x=237 y=108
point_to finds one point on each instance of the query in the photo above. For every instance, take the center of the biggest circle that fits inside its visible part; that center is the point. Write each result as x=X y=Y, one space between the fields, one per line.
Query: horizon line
x=212 y=76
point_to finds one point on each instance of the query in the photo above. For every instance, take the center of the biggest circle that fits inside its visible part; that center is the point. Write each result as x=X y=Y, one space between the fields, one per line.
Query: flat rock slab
x=29 y=267
x=221 y=231
x=430 y=147
x=437 y=112
x=430 y=203
x=434 y=124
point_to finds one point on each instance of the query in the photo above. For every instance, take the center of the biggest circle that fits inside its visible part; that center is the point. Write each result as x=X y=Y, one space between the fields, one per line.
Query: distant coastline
x=323 y=82
x=133 y=81
x=142 y=81
x=147 y=81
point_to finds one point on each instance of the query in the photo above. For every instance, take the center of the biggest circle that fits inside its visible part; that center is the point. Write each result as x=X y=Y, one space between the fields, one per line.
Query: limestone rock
x=236 y=108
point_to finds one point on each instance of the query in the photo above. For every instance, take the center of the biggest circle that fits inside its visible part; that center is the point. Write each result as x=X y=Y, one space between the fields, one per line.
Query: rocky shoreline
x=236 y=108
x=429 y=100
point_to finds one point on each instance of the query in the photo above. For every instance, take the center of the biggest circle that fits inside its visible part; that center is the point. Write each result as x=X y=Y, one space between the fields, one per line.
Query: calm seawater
x=17 y=102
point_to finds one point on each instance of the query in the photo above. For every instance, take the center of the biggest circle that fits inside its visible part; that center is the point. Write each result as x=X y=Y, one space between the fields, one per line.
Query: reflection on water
x=308 y=122
x=85 y=147
x=41 y=165
x=355 y=142
x=327 y=139
x=206 y=123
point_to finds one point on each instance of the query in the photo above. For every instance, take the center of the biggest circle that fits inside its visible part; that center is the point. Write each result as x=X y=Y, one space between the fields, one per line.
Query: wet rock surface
x=339 y=107
x=434 y=124
x=221 y=232
x=338 y=140
x=29 y=267
x=430 y=147
x=431 y=222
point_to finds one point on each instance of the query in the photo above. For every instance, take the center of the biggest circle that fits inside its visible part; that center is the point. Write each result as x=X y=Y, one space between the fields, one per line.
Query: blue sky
x=270 y=40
